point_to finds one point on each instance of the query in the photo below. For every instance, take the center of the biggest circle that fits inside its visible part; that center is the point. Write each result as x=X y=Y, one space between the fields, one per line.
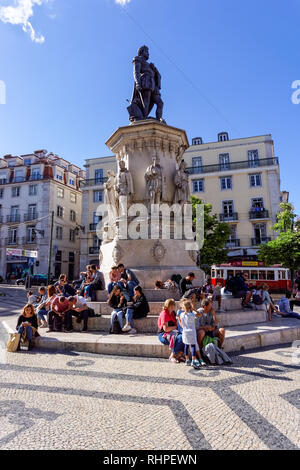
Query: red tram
x=277 y=277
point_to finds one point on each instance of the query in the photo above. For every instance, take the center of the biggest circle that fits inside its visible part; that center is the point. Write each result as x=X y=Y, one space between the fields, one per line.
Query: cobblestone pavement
x=83 y=401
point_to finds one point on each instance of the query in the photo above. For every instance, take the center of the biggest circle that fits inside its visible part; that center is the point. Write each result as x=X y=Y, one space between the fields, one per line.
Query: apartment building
x=239 y=177
x=92 y=195
x=31 y=188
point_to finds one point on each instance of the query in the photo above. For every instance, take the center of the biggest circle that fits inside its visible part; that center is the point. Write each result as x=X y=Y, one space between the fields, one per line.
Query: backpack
x=257 y=300
x=116 y=329
x=216 y=355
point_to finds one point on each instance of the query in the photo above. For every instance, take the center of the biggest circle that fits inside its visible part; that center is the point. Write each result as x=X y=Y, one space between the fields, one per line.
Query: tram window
x=220 y=273
x=270 y=275
x=254 y=275
x=247 y=272
x=262 y=275
x=230 y=272
x=283 y=276
x=213 y=273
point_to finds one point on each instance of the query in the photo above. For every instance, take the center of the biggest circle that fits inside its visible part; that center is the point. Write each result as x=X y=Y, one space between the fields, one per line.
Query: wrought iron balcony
x=233 y=243
x=259 y=214
x=12 y=241
x=93 y=182
x=12 y=219
x=28 y=241
x=94 y=250
x=260 y=241
x=30 y=216
x=231 y=217
x=244 y=164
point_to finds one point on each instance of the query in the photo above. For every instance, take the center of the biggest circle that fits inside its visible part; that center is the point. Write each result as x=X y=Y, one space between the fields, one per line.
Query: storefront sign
x=19 y=252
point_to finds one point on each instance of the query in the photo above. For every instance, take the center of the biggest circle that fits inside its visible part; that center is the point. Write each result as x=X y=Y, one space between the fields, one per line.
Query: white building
x=31 y=188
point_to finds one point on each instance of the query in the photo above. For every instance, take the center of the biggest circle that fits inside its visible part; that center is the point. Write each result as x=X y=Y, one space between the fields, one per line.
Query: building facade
x=31 y=188
x=240 y=178
x=92 y=195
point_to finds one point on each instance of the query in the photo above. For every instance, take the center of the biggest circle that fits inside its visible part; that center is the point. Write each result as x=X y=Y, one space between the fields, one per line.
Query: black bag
x=115 y=329
x=91 y=312
x=257 y=300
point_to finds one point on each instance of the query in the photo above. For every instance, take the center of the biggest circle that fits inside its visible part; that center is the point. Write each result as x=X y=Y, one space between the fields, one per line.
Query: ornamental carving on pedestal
x=117 y=254
x=158 y=251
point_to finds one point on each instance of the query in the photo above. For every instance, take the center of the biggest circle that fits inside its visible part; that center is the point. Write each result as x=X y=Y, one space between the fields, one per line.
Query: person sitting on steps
x=139 y=308
x=27 y=324
x=117 y=301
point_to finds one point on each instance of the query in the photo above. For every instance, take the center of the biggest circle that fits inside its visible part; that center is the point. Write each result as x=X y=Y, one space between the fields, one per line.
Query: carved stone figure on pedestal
x=111 y=202
x=154 y=182
x=182 y=192
x=147 y=85
x=124 y=188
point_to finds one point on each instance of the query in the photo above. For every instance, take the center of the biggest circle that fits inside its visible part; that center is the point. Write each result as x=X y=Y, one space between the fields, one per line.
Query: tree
x=285 y=249
x=216 y=235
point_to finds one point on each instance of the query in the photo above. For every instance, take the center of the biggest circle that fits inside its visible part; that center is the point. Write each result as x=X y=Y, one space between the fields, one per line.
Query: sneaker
x=188 y=362
x=196 y=364
x=126 y=328
x=133 y=331
x=203 y=364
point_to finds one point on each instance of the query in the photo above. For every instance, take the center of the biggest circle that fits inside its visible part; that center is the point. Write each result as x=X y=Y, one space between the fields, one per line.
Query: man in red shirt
x=57 y=318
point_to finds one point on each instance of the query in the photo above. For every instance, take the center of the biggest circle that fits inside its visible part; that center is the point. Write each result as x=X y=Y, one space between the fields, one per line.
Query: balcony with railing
x=12 y=241
x=28 y=241
x=260 y=241
x=233 y=243
x=94 y=250
x=259 y=214
x=30 y=216
x=93 y=182
x=230 y=217
x=13 y=218
x=244 y=164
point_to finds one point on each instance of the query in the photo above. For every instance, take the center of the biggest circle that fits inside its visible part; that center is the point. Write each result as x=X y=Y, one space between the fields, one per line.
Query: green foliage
x=216 y=235
x=285 y=249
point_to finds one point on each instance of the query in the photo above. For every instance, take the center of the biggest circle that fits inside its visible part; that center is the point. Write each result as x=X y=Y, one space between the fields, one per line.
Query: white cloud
x=19 y=14
x=122 y=2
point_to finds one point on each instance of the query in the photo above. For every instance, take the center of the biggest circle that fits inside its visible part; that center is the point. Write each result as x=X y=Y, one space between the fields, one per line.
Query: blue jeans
x=28 y=331
x=117 y=314
x=110 y=286
x=90 y=292
x=292 y=315
x=42 y=313
x=178 y=342
x=129 y=317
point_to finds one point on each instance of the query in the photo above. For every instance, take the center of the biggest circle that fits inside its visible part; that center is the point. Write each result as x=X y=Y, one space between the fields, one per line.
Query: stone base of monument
x=151 y=260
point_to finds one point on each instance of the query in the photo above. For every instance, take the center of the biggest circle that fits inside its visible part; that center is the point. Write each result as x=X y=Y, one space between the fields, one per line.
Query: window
x=32 y=213
x=14 y=214
x=35 y=174
x=58 y=256
x=27 y=162
x=72 y=235
x=224 y=161
x=1 y=193
x=260 y=233
x=226 y=183
x=228 y=209
x=15 y=192
x=197 y=164
x=33 y=189
x=59 y=176
x=60 y=192
x=72 y=182
x=71 y=257
x=253 y=158
x=257 y=202
x=255 y=180
x=2 y=180
x=30 y=235
x=99 y=175
x=18 y=176
x=60 y=211
x=12 y=236
x=96 y=242
x=197 y=141
x=98 y=196
x=73 y=197
x=223 y=137
x=73 y=216
x=198 y=186
x=59 y=233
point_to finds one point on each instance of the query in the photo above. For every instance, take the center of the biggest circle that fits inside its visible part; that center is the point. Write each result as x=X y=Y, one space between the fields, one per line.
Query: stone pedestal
x=151 y=259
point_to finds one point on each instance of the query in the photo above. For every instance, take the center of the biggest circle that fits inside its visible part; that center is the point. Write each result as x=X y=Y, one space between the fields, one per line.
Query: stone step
x=152 y=295
x=228 y=304
x=238 y=339
x=149 y=324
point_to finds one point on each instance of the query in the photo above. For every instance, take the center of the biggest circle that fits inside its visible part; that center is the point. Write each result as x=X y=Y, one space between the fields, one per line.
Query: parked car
x=36 y=280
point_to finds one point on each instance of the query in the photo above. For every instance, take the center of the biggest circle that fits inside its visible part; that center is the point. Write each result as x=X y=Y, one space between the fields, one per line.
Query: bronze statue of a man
x=147 y=85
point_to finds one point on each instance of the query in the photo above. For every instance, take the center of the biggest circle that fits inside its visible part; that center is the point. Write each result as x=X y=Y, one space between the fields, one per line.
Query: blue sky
x=225 y=66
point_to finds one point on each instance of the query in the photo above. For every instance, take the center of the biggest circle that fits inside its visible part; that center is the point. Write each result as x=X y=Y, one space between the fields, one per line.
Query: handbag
x=13 y=342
